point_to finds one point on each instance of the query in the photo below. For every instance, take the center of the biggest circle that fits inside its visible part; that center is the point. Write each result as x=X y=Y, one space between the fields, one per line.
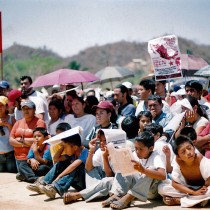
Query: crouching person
x=68 y=171
x=39 y=159
x=99 y=173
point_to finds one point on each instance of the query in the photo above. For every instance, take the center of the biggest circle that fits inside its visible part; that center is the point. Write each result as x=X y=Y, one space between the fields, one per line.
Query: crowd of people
x=172 y=164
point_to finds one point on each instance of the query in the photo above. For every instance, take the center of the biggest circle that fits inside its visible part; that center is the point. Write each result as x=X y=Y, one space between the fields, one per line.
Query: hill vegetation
x=21 y=60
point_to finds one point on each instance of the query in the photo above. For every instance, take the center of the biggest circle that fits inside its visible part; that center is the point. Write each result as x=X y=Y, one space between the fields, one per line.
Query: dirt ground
x=15 y=196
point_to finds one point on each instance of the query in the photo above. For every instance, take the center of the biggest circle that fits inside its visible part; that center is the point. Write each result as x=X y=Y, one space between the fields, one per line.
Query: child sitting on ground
x=39 y=160
x=69 y=171
x=190 y=177
x=150 y=167
x=164 y=149
x=99 y=174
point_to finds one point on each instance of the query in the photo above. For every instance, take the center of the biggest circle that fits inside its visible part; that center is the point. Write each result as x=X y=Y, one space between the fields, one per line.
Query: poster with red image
x=165 y=55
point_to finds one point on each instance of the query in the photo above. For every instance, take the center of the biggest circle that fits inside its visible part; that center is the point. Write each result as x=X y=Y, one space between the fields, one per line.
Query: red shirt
x=25 y=129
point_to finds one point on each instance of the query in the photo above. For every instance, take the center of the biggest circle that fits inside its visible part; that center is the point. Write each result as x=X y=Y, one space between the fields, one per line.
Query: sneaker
x=49 y=190
x=37 y=186
x=20 y=177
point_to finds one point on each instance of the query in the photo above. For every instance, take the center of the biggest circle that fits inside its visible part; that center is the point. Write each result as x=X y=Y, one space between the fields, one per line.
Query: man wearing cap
x=4 y=88
x=15 y=101
x=21 y=136
x=35 y=96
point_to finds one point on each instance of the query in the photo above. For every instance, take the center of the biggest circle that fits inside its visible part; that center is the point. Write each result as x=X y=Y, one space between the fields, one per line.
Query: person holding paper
x=103 y=112
x=99 y=173
x=150 y=168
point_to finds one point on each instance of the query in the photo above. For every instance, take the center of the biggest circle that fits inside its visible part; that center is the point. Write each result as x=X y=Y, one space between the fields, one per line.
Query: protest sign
x=165 y=55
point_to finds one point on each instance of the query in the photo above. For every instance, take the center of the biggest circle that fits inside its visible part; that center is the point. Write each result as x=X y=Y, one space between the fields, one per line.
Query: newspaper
x=121 y=160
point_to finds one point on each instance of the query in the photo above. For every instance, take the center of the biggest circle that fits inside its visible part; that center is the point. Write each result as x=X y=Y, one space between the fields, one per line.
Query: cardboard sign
x=165 y=55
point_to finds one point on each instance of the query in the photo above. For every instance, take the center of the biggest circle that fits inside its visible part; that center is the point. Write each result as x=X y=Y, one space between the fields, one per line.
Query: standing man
x=35 y=96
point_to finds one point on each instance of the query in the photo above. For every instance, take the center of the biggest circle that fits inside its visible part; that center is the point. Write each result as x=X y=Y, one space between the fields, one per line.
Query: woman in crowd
x=7 y=158
x=21 y=137
x=80 y=117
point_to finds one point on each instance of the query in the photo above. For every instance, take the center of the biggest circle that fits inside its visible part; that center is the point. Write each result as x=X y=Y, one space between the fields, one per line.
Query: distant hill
x=23 y=60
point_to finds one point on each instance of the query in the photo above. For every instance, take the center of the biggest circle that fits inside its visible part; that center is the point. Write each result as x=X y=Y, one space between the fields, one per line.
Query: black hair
x=189 y=132
x=63 y=127
x=74 y=140
x=194 y=84
x=57 y=103
x=41 y=130
x=148 y=84
x=179 y=141
x=193 y=101
x=131 y=126
x=91 y=91
x=161 y=81
x=72 y=93
x=155 y=98
x=90 y=102
x=26 y=77
x=154 y=128
x=146 y=114
x=123 y=90
x=146 y=138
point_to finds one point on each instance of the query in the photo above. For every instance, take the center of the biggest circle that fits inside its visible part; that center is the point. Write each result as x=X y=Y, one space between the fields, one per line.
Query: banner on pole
x=165 y=55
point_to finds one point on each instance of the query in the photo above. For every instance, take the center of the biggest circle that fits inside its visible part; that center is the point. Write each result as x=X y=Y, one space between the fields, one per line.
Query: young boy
x=190 y=177
x=99 y=174
x=69 y=171
x=163 y=148
x=39 y=160
x=151 y=168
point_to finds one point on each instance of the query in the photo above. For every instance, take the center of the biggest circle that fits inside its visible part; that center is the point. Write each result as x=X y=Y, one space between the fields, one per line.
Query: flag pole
x=2 y=77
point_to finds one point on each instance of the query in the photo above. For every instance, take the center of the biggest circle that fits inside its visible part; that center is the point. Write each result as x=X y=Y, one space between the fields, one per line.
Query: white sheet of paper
x=121 y=160
x=57 y=138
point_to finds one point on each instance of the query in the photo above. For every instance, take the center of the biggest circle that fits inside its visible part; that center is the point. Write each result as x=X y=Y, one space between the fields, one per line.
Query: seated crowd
x=171 y=161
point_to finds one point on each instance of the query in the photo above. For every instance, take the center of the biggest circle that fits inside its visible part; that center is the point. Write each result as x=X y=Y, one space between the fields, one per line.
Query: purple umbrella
x=64 y=76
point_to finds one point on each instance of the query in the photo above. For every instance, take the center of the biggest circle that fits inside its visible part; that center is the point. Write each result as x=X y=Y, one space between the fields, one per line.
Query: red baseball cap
x=104 y=105
x=13 y=95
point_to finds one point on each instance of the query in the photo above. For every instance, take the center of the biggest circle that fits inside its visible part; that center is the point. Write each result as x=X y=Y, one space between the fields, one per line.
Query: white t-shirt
x=51 y=127
x=87 y=122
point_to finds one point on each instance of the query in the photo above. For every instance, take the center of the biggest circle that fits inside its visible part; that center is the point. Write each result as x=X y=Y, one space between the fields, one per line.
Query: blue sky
x=69 y=26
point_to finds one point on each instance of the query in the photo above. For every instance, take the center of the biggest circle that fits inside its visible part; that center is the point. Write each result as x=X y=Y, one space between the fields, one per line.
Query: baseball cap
x=28 y=103
x=127 y=84
x=104 y=105
x=3 y=100
x=4 y=84
x=13 y=95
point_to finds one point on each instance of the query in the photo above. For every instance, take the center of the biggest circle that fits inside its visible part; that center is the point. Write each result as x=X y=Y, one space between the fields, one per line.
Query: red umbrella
x=192 y=63
x=64 y=76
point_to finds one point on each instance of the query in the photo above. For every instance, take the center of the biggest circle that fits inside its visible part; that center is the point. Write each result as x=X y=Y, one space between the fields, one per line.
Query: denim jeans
x=75 y=179
x=30 y=174
x=7 y=162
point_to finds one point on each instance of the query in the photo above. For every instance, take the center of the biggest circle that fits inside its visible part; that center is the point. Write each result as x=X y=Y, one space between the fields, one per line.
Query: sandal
x=119 y=205
x=110 y=200
x=69 y=197
x=169 y=201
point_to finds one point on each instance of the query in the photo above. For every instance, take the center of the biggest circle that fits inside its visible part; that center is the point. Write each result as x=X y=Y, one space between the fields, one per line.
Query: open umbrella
x=113 y=73
x=203 y=72
x=191 y=63
x=64 y=76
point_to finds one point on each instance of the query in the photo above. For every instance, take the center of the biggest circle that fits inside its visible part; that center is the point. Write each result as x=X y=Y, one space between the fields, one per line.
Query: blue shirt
x=45 y=153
